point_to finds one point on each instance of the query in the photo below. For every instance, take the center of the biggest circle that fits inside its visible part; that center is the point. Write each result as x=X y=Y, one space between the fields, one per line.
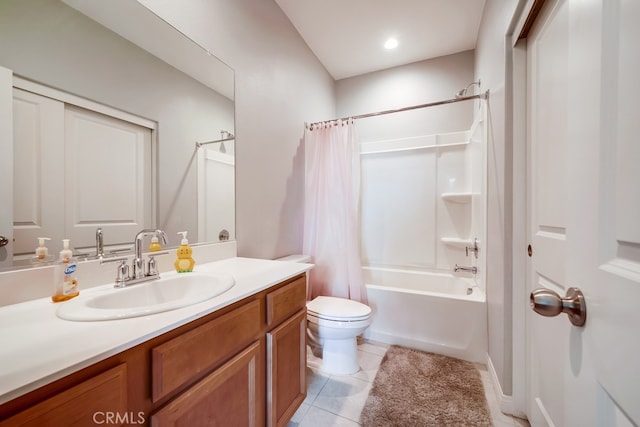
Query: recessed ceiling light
x=391 y=43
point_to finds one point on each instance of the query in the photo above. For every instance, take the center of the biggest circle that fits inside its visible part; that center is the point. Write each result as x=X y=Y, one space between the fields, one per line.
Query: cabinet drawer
x=286 y=301
x=229 y=396
x=188 y=356
x=87 y=403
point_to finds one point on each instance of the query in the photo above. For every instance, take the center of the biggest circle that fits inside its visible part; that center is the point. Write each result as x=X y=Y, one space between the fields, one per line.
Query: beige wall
x=412 y=84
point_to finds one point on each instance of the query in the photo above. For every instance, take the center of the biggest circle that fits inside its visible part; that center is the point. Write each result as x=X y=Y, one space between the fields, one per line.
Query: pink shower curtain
x=332 y=200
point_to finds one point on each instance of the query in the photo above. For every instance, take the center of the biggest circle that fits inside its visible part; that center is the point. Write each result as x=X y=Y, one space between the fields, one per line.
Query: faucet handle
x=473 y=248
x=152 y=265
x=123 y=272
x=152 y=268
x=122 y=275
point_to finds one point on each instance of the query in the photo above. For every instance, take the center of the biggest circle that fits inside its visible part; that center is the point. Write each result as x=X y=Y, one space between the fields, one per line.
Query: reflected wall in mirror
x=55 y=46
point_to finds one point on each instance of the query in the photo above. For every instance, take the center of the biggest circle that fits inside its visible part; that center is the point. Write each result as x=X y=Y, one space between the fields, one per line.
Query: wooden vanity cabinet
x=243 y=365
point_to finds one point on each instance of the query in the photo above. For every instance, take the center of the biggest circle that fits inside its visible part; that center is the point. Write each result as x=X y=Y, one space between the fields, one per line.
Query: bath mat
x=414 y=388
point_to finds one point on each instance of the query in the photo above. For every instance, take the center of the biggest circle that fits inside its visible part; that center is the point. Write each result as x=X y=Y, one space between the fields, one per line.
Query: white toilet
x=334 y=324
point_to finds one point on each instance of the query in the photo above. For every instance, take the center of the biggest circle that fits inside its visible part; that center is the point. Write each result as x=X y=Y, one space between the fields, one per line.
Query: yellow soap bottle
x=184 y=263
x=155 y=246
x=65 y=282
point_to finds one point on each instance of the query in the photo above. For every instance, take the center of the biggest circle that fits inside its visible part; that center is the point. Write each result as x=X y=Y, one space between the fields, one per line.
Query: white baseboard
x=506 y=402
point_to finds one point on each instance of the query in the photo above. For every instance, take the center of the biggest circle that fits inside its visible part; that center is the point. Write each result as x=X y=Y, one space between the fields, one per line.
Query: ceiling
x=348 y=36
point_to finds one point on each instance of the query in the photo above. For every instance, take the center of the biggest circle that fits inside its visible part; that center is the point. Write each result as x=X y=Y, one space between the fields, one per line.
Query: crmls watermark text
x=118 y=418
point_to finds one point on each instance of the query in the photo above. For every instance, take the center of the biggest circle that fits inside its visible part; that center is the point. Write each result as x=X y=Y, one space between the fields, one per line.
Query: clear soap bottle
x=65 y=281
x=42 y=252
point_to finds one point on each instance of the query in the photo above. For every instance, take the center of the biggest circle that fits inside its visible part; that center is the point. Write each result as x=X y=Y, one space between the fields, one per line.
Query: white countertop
x=39 y=348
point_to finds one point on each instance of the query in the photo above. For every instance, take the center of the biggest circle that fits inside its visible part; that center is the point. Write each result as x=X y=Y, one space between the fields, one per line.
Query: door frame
x=6 y=164
x=517 y=74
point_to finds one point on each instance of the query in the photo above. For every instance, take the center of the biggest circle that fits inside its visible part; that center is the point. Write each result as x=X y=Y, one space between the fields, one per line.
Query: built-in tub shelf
x=456 y=242
x=457 y=197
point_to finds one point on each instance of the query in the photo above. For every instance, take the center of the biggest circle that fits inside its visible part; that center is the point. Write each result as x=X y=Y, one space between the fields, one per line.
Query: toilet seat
x=337 y=324
x=338 y=309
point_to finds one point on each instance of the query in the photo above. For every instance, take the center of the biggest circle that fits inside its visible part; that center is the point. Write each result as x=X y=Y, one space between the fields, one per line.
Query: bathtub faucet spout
x=472 y=270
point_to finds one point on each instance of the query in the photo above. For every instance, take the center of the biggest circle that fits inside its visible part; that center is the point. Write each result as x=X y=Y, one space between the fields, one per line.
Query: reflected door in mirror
x=80 y=168
x=216 y=195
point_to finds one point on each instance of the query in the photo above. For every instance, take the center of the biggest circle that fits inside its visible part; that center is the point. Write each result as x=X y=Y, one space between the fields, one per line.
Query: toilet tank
x=295 y=258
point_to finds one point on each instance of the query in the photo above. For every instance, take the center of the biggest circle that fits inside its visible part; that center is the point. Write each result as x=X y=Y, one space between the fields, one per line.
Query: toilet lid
x=333 y=308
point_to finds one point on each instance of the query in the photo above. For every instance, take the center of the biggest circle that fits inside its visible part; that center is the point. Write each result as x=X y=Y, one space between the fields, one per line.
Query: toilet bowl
x=333 y=325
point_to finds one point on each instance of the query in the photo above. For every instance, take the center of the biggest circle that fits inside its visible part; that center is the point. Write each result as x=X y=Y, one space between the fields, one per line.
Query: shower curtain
x=332 y=199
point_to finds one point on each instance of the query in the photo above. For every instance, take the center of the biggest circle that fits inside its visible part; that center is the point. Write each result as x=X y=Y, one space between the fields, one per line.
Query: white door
x=107 y=178
x=583 y=198
x=216 y=187
x=6 y=168
x=38 y=178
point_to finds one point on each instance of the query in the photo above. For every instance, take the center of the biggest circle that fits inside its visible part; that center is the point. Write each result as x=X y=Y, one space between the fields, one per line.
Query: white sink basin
x=168 y=293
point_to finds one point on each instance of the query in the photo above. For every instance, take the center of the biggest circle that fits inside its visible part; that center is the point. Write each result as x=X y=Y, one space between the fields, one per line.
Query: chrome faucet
x=123 y=278
x=472 y=270
x=99 y=243
x=475 y=249
x=138 y=262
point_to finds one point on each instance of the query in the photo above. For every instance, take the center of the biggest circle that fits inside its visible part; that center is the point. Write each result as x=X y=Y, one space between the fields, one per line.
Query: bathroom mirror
x=121 y=56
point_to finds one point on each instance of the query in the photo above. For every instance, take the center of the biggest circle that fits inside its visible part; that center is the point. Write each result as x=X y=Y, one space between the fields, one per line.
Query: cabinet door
x=232 y=395
x=286 y=369
x=98 y=400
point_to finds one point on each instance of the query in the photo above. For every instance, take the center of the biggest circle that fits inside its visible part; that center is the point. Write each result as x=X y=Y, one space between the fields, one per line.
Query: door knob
x=3 y=241
x=548 y=303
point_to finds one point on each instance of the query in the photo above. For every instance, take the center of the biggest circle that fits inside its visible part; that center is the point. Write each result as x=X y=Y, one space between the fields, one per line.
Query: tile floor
x=338 y=400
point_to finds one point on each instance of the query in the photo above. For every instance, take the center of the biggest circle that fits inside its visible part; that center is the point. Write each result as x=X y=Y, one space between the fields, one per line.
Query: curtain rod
x=413 y=107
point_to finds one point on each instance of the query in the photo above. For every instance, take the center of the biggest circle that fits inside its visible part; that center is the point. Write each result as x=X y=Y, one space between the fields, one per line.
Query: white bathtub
x=436 y=312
